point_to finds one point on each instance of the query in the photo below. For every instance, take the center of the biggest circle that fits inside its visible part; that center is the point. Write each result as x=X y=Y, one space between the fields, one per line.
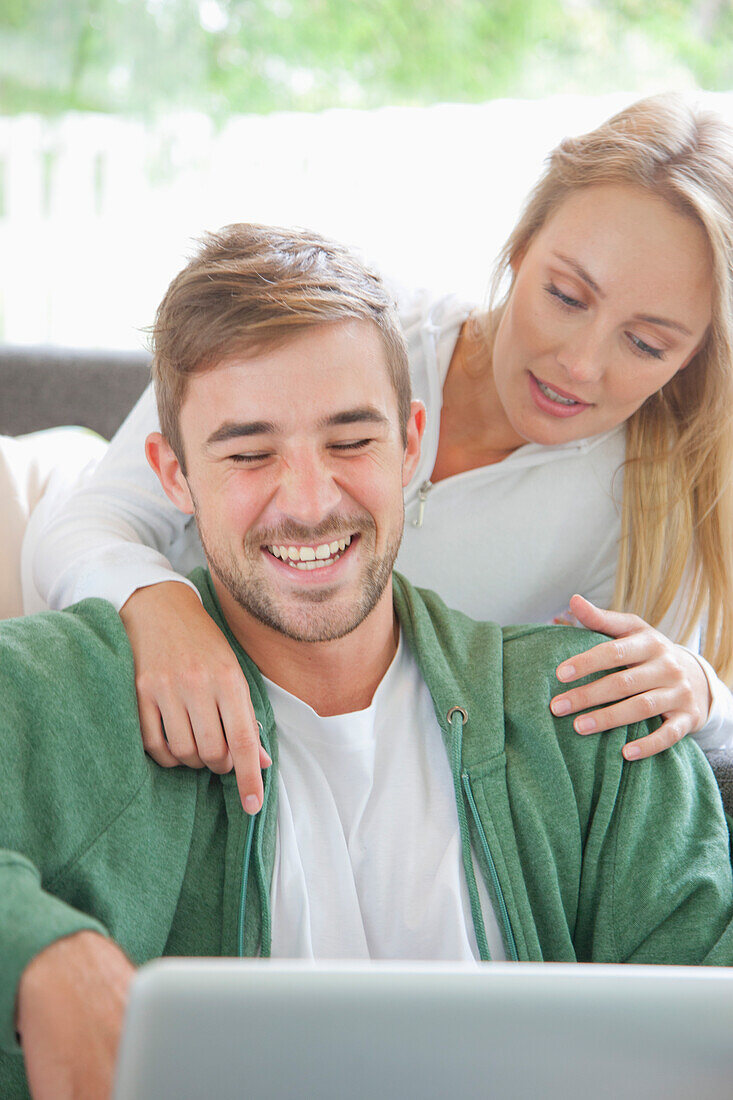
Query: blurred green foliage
x=222 y=56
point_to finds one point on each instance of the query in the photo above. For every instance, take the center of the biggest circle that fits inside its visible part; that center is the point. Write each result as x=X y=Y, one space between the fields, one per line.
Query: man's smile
x=311 y=557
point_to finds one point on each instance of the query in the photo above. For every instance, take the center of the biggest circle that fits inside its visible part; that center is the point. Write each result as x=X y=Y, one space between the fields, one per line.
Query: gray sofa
x=47 y=387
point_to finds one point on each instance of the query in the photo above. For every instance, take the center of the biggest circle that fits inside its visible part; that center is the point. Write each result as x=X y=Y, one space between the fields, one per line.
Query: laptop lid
x=226 y=1029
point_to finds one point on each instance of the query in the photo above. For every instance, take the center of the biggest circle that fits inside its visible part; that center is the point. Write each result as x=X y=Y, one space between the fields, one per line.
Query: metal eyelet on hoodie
x=422 y=496
x=481 y=939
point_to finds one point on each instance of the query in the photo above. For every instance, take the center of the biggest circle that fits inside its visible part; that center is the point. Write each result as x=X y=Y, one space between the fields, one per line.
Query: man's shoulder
x=87 y=623
x=434 y=628
x=531 y=654
x=532 y=644
x=545 y=643
x=61 y=663
x=512 y=668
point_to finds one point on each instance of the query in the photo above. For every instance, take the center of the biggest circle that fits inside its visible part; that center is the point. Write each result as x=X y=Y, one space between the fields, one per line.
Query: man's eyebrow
x=238 y=429
x=365 y=414
x=581 y=273
x=241 y=429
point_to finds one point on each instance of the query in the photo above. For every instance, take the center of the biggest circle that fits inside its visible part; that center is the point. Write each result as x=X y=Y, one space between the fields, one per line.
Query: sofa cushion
x=49 y=462
x=45 y=387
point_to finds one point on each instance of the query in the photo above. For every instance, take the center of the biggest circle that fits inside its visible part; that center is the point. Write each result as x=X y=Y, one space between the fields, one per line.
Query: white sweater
x=510 y=542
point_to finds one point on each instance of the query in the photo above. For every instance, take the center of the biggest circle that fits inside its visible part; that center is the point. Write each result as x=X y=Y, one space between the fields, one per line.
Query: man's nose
x=307 y=491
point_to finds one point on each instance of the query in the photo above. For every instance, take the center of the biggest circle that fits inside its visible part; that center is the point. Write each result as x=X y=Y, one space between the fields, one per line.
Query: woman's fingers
x=644 y=677
x=179 y=732
x=643 y=643
x=207 y=732
x=615 y=623
x=193 y=697
x=647 y=676
x=195 y=733
x=154 y=741
x=668 y=734
x=248 y=755
x=626 y=712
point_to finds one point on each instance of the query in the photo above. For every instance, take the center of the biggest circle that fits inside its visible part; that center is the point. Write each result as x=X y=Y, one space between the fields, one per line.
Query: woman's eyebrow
x=581 y=273
x=662 y=321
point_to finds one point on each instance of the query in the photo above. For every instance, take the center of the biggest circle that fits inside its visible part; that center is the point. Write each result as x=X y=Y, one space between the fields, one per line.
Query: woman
x=579 y=438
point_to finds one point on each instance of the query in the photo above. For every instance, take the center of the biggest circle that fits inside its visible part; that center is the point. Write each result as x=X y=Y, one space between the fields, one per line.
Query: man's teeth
x=309 y=557
x=555 y=396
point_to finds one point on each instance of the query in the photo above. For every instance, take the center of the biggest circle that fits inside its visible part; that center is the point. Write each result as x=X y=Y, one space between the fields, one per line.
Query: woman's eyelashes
x=641 y=348
x=638 y=346
x=564 y=299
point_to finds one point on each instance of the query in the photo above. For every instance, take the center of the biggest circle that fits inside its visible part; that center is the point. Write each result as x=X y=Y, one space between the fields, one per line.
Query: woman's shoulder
x=431 y=324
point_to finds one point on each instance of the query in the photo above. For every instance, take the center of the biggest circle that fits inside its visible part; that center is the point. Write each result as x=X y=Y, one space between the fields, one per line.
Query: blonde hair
x=677 y=510
x=252 y=287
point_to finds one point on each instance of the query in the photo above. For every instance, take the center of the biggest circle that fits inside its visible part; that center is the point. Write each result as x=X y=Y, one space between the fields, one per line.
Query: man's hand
x=71 y=1004
x=189 y=684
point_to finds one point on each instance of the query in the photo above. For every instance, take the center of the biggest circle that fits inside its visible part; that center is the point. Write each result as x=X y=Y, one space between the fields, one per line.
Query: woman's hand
x=655 y=677
x=193 y=697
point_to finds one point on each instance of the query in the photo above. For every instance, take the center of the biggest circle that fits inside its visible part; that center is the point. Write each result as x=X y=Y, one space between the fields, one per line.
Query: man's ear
x=161 y=457
x=415 y=429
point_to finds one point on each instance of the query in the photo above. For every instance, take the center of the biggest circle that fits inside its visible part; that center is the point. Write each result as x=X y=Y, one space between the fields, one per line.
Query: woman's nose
x=583 y=355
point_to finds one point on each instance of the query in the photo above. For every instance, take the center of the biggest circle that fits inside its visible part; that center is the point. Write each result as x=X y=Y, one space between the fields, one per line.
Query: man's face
x=295 y=472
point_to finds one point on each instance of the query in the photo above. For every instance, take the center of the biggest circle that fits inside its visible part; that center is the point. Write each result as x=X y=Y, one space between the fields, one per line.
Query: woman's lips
x=555 y=408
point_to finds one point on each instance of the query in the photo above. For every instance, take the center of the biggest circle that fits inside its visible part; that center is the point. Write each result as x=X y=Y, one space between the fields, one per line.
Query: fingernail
x=565 y=672
x=632 y=752
x=584 y=725
x=251 y=804
x=560 y=706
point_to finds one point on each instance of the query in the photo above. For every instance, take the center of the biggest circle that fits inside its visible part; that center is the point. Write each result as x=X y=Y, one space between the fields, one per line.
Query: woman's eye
x=645 y=349
x=564 y=299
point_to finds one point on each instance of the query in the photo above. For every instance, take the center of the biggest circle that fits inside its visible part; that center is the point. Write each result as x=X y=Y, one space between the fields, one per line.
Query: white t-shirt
x=368 y=857
x=510 y=542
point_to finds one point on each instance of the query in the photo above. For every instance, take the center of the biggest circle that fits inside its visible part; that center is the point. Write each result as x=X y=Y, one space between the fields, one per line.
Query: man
x=422 y=801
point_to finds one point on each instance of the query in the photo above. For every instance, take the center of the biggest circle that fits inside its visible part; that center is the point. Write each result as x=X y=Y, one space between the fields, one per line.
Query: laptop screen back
x=220 y=1029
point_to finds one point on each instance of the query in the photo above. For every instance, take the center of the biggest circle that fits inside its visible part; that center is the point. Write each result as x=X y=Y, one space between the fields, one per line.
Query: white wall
x=97 y=213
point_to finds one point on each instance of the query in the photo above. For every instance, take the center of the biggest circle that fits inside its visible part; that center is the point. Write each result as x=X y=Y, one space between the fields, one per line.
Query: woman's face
x=612 y=297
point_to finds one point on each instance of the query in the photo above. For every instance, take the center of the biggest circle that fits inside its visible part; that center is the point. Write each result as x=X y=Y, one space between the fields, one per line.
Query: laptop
x=230 y=1029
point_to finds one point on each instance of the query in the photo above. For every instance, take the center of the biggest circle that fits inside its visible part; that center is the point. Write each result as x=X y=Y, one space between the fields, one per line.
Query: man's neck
x=335 y=677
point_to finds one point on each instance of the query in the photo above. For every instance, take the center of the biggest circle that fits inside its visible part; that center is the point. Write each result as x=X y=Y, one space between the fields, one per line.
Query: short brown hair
x=251 y=287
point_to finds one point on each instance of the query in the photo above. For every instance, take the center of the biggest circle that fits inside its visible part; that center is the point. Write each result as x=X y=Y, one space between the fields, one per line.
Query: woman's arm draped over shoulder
x=110 y=539
x=115 y=532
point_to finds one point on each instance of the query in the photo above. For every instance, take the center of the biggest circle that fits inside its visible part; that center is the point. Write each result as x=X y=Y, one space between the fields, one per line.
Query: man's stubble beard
x=251 y=595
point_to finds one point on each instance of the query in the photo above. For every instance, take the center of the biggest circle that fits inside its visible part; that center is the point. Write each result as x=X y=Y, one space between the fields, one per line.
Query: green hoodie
x=585 y=856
